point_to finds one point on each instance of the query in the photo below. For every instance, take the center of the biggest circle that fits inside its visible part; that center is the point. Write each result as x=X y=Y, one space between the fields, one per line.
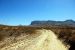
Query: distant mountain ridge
x=54 y=23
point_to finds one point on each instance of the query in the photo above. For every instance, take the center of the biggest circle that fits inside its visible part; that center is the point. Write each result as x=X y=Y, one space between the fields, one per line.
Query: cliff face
x=54 y=23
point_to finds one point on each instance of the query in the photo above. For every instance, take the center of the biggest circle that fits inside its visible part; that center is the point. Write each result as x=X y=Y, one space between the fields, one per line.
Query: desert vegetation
x=14 y=32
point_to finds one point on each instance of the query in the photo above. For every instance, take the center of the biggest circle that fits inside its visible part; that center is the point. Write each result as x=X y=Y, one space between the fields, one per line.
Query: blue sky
x=15 y=12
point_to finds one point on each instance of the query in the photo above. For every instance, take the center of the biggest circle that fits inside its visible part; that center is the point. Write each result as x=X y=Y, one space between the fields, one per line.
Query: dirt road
x=41 y=40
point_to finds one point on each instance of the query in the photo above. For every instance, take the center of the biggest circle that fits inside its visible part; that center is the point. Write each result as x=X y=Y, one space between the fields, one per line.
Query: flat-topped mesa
x=53 y=23
x=39 y=40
